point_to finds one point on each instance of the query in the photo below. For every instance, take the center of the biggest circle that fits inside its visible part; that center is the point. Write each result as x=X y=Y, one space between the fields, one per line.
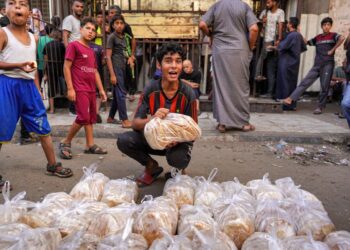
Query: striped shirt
x=324 y=43
x=154 y=98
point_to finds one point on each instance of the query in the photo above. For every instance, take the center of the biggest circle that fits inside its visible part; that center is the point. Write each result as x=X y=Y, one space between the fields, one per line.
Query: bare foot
x=248 y=128
x=288 y=101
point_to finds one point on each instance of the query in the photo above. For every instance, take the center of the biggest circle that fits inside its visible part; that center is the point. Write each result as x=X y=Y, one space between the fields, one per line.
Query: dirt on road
x=24 y=166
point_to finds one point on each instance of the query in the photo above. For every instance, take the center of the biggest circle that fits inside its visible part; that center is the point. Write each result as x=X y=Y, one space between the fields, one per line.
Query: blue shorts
x=21 y=98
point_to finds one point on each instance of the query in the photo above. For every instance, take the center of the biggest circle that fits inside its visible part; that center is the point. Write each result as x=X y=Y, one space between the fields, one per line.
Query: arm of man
x=337 y=45
x=253 y=36
x=189 y=83
x=100 y=87
x=68 y=78
x=66 y=35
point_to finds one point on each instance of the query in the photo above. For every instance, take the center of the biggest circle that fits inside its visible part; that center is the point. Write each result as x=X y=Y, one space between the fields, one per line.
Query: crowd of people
x=70 y=57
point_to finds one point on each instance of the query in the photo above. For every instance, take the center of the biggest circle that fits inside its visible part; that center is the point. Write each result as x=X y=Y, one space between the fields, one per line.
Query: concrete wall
x=316 y=7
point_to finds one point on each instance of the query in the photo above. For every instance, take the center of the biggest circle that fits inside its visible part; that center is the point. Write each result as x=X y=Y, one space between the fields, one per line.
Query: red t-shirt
x=83 y=66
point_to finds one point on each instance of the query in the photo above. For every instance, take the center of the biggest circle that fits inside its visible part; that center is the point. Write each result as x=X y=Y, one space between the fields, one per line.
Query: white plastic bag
x=339 y=240
x=264 y=190
x=192 y=217
x=112 y=220
x=9 y=233
x=172 y=242
x=79 y=241
x=125 y=240
x=235 y=216
x=91 y=185
x=303 y=243
x=207 y=192
x=213 y=240
x=174 y=127
x=262 y=241
x=234 y=187
x=120 y=191
x=180 y=188
x=154 y=214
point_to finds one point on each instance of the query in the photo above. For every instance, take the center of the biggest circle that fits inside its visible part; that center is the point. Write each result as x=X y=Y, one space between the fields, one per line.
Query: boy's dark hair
x=117 y=17
x=294 y=21
x=327 y=20
x=56 y=34
x=117 y=8
x=80 y=1
x=87 y=20
x=172 y=48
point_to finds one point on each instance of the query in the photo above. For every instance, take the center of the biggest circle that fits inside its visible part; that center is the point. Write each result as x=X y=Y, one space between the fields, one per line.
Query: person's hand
x=71 y=95
x=103 y=96
x=131 y=61
x=114 y=80
x=161 y=113
x=45 y=78
x=330 y=53
x=172 y=144
x=28 y=66
x=194 y=85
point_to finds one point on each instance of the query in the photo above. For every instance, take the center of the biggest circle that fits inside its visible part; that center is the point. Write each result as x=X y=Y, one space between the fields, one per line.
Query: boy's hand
x=71 y=95
x=131 y=61
x=28 y=66
x=331 y=52
x=161 y=113
x=114 y=80
x=103 y=96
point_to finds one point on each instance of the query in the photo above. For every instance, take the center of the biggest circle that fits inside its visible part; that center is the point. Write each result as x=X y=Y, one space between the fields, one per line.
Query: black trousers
x=134 y=145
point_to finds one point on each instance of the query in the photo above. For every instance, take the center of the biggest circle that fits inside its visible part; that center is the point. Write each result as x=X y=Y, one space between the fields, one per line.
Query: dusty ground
x=24 y=166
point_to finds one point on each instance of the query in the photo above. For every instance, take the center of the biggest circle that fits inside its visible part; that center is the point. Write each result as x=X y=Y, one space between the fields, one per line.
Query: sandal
x=114 y=121
x=58 y=170
x=2 y=184
x=65 y=151
x=146 y=179
x=248 y=128
x=95 y=149
x=221 y=128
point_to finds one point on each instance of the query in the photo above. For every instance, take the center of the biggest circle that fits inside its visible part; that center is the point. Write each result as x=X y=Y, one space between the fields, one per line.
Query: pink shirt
x=83 y=66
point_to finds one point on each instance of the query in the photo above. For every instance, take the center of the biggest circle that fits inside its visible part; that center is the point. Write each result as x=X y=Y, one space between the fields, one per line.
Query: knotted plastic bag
x=263 y=241
x=339 y=240
x=207 y=192
x=174 y=127
x=154 y=214
x=213 y=240
x=263 y=189
x=172 y=242
x=180 y=188
x=79 y=240
x=234 y=187
x=91 y=185
x=120 y=191
x=303 y=243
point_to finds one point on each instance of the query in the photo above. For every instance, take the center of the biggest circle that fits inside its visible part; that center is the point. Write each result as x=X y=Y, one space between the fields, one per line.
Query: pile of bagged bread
x=193 y=213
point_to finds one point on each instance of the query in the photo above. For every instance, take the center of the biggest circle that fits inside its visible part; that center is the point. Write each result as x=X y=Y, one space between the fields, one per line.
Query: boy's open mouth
x=173 y=73
x=19 y=14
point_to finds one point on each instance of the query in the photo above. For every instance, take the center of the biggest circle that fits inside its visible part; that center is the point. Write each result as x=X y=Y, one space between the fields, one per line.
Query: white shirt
x=72 y=24
x=273 y=19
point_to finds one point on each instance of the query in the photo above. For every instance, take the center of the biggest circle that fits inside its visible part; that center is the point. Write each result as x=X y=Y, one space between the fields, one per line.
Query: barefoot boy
x=19 y=89
x=82 y=77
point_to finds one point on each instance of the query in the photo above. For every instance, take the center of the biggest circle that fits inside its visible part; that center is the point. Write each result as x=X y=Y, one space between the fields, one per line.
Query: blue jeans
x=119 y=96
x=345 y=104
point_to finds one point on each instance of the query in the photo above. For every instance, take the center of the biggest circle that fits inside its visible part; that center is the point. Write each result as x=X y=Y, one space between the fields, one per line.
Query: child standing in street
x=19 y=89
x=116 y=61
x=82 y=77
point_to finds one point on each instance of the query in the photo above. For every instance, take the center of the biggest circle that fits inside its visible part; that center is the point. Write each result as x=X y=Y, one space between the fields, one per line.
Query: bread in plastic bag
x=112 y=220
x=339 y=240
x=79 y=240
x=9 y=232
x=154 y=214
x=78 y=217
x=264 y=190
x=235 y=216
x=180 y=188
x=14 y=208
x=262 y=241
x=213 y=240
x=32 y=239
x=234 y=187
x=172 y=242
x=207 y=192
x=271 y=218
x=191 y=217
x=91 y=185
x=159 y=133
x=125 y=240
x=45 y=212
x=120 y=191
x=303 y=243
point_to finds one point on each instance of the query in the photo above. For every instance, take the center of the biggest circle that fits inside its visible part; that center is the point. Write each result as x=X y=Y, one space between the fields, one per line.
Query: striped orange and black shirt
x=154 y=98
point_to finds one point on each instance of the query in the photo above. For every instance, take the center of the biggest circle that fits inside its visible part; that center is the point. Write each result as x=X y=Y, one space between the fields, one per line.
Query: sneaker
x=318 y=111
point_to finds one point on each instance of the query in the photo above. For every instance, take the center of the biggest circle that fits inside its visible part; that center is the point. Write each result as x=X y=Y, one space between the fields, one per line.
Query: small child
x=82 y=77
x=19 y=89
x=192 y=78
x=116 y=61
x=326 y=45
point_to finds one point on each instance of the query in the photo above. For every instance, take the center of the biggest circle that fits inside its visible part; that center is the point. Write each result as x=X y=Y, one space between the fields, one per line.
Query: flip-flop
x=95 y=149
x=146 y=179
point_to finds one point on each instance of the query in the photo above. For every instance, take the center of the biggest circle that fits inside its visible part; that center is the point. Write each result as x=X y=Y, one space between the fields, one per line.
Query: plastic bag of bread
x=78 y=217
x=234 y=187
x=154 y=214
x=303 y=243
x=14 y=208
x=120 y=191
x=339 y=240
x=235 y=216
x=174 y=127
x=213 y=240
x=125 y=240
x=171 y=242
x=180 y=188
x=198 y=217
x=32 y=239
x=262 y=241
x=79 y=241
x=91 y=185
x=45 y=212
x=271 y=218
x=112 y=220
x=9 y=232
x=206 y=191
x=264 y=190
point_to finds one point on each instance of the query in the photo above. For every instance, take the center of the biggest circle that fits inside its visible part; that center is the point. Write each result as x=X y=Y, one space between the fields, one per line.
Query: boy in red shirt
x=82 y=77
